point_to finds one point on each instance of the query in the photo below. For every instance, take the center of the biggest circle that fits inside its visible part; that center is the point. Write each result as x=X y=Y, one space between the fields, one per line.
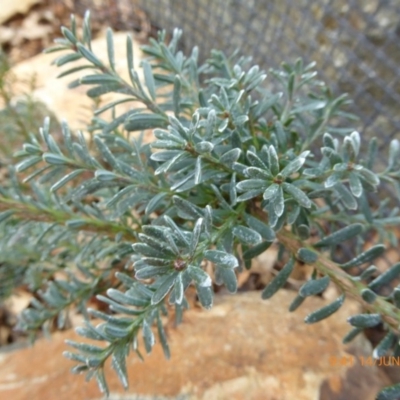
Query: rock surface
x=72 y=104
x=9 y=8
x=244 y=348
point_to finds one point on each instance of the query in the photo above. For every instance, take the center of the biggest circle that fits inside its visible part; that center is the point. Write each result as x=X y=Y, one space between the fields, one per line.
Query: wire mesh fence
x=356 y=44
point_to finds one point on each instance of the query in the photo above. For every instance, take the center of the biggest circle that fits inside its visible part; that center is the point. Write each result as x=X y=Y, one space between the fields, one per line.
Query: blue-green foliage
x=232 y=167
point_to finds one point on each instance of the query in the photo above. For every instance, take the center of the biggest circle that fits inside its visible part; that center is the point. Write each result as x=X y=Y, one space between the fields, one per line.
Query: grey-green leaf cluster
x=229 y=168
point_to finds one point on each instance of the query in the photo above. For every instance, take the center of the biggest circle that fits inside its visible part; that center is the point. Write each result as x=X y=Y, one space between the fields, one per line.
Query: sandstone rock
x=30 y=29
x=9 y=8
x=72 y=104
x=244 y=348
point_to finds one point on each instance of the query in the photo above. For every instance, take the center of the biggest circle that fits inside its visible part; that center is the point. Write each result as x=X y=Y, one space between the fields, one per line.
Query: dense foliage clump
x=231 y=169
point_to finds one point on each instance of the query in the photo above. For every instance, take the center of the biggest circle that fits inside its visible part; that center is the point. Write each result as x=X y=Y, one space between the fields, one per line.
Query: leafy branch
x=233 y=168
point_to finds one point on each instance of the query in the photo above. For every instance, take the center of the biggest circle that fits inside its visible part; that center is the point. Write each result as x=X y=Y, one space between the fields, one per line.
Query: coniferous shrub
x=233 y=168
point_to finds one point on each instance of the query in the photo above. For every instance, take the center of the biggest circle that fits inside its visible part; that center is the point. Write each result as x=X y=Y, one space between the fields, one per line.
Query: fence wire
x=356 y=44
